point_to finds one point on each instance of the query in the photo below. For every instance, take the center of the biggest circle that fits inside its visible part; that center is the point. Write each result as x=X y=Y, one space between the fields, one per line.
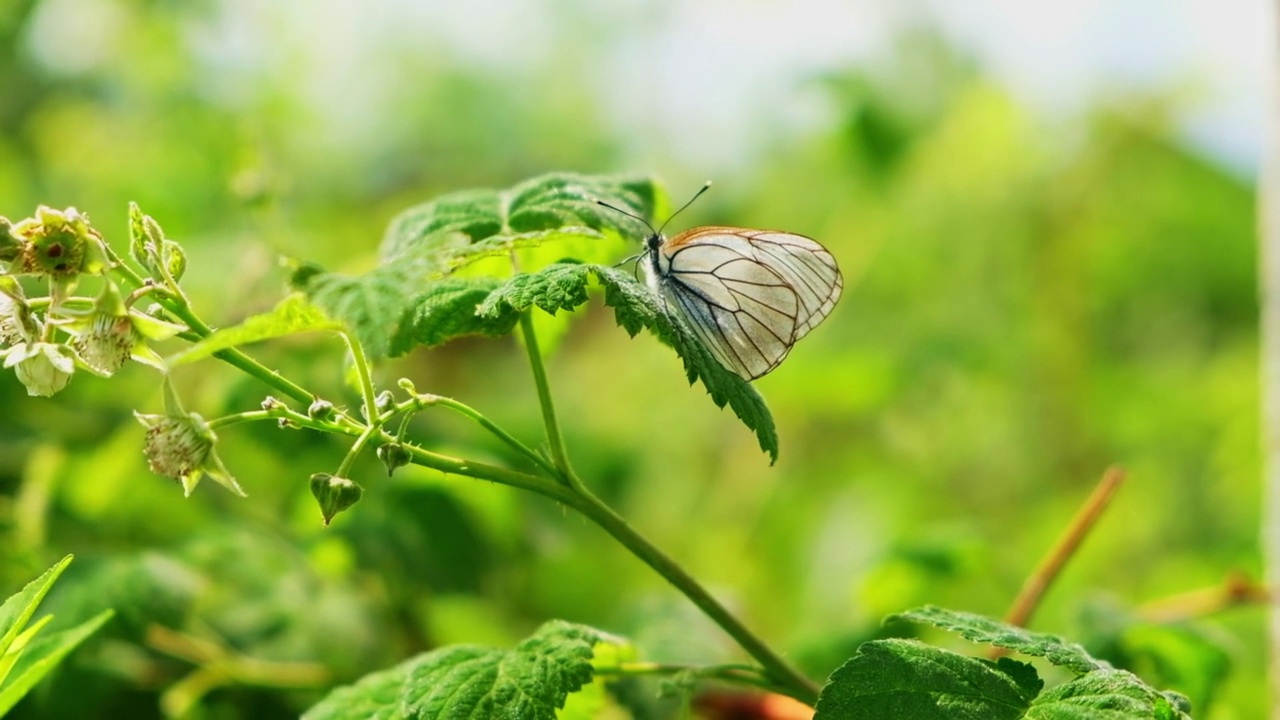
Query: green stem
x=554 y=439
x=366 y=380
x=790 y=680
x=498 y=432
x=738 y=674
x=456 y=466
x=370 y=430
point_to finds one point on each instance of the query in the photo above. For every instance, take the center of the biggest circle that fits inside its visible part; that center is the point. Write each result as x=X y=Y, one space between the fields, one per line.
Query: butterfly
x=746 y=295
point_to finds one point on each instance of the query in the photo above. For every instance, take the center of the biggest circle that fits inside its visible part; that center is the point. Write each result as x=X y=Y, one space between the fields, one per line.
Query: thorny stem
x=487 y=424
x=789 y=680
x=1051 y=565
x=554 y=440
x=366 y=379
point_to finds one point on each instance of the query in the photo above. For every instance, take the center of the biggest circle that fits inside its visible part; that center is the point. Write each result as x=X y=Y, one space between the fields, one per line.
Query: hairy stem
x=366 y=379
x=487 y=424
x=554 y=439
x=789 y=680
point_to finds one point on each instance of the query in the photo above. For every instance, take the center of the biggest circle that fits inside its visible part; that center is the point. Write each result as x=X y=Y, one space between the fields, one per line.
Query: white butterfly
x=747 y=295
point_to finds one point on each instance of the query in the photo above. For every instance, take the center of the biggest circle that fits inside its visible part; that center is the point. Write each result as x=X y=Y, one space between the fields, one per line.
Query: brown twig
x=1235 y=590
x=1051 y=565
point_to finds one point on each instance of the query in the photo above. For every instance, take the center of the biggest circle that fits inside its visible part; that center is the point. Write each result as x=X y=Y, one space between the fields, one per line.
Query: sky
x=701 y=79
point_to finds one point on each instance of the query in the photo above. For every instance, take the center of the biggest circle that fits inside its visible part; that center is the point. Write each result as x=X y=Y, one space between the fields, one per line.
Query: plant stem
x=498 y=432
x=457 y=466
x=366 y=380
x=788 y=678
x=1052 y=563
x=554 y=439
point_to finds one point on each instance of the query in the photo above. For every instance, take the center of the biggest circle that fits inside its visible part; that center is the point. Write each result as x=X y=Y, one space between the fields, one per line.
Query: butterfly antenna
x=631 y=215
x=672 y=216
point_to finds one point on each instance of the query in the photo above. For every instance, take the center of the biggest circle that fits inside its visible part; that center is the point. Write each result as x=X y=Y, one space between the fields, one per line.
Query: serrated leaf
x=445 y=310
x=530 y=682
x=563 y=286
x=1106 y=695
x=557 y=206
x=290 y=316
x=19 y=607
x=979 y=629
x=373 y=305
x=375 y=696
x=900 y=679
x=42 y=656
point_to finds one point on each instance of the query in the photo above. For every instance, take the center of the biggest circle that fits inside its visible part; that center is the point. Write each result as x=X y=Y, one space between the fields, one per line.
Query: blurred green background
x=1030 y=297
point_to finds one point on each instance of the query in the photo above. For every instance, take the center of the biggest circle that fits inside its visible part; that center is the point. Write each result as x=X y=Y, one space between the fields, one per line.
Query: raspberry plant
x=485 y=262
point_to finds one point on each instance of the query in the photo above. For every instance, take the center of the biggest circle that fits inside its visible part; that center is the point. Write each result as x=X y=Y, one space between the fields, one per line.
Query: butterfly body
x=747 y=295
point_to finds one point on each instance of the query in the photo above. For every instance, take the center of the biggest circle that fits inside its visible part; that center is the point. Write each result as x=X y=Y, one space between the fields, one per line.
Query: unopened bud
x=393 y=455
x=334 y=494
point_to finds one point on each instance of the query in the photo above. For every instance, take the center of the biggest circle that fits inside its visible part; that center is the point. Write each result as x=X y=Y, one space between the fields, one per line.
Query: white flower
x=44 y=368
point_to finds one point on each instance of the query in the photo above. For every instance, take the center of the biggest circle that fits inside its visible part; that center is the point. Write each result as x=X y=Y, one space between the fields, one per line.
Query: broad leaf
x=375 y=696
x=563 y=286
x=292 y=315
x=19 y=607
x=1107 y=695
x=530 y=682
x=42 y=656
x=977 y=628
x=899 y=679
x=557 y=206
x=396 y=306
x=445 y=310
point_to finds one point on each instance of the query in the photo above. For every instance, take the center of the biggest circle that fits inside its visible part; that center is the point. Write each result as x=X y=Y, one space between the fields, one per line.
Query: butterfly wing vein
x=748 y=295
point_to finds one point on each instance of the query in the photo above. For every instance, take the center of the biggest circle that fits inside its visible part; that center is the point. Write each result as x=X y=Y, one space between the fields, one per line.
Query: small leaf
x=290 y=316
x=530 y=682
x=19 y=607
x=563 y=286
x=373 y=305
x=1106 y=695
x=899 y=679
x=979 y=629
x=374 y=697
x=445 y=310
x=42 y=656
x=557 y=206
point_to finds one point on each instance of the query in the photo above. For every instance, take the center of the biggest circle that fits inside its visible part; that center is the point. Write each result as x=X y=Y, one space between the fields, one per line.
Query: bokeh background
x=1045 y=216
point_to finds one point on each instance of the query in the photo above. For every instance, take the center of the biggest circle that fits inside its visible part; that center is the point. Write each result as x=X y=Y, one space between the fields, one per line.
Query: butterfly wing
x=748 y=295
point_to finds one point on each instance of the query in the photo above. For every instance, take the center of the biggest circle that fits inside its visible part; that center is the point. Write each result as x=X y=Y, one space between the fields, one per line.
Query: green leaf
x=290 y=316
x=977 y=628
x=557 y=206
x=373 y=306
x=445 y=310
x=374 y=697
x=19 y=607
x=464 y=681
x=899 y=679
x=42 y=656
x=396 y=306
x=530 y=682
x=563 y=286
x=1107 y=695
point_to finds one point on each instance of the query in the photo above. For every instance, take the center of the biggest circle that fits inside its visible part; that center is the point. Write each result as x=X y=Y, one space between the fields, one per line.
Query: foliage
x=1026 y=305
x=26 y=655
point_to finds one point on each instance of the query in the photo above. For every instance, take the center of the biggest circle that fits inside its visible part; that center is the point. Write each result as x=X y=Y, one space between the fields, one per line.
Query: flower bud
x=393 y=455
x=320 y=410
x=334 y=494
x=44 y=368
